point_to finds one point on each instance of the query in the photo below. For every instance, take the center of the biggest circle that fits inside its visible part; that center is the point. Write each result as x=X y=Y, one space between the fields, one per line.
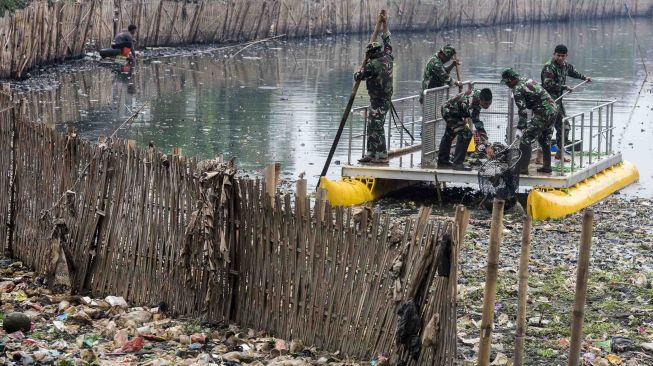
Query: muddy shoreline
x=618 y=328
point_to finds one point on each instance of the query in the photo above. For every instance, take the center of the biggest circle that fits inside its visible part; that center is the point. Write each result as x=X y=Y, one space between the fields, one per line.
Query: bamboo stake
x=11 y=220
x=88 y=27
x=270 y=178
x=489 y=297
x=158 y=24
x=523 y=290
x=581 y=288
x=300 y=200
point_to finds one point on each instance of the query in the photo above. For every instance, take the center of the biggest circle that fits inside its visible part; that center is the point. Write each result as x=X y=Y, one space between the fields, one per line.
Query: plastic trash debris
x=20 y=296
x=198 y=338
x=134 y=345
x=59 y=325
x=195 y=346
x=116 y=301
x=120 y=338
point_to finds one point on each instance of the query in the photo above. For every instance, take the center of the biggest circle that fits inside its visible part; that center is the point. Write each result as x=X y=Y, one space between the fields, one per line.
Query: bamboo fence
x=115 y=219
x=50 y=31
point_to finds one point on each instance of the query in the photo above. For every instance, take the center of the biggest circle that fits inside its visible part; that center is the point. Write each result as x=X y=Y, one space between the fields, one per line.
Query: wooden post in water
x=523 y=290
x=489 y=297
x=581 y=288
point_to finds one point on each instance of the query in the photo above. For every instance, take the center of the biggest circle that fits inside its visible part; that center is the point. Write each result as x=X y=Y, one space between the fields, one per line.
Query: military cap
x=508 y=74
x=373 y=47
x=448 y=50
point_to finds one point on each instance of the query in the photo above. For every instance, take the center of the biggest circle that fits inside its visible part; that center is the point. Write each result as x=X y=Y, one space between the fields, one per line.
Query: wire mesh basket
x=499 y=176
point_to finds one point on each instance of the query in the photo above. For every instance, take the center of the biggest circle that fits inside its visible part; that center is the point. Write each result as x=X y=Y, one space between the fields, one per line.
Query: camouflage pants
x=455 y=128
x=539 y=129
x=559 y=125
x=375 y=129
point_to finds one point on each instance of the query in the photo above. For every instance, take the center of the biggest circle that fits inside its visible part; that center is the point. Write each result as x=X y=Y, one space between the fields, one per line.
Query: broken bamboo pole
x=581 y=288
x=489 y=298
x=300 y=200
x=270 y=179
x=523 y=290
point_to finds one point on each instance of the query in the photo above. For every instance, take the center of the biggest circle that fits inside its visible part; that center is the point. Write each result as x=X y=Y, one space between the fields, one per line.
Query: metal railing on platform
x=595 y=129
x=594 y=125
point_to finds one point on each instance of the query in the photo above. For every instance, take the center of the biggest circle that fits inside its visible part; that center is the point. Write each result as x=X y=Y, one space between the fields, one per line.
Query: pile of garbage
x=40 y=326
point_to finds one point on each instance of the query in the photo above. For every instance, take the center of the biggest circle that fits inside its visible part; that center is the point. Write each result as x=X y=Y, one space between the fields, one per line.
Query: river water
x=282 y=101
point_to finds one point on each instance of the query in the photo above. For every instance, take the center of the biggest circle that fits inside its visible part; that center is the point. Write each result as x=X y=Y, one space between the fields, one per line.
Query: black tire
x=109 y=52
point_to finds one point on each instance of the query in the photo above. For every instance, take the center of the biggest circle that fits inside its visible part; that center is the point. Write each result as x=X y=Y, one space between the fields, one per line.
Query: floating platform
x=552 y=195
x=594 y=172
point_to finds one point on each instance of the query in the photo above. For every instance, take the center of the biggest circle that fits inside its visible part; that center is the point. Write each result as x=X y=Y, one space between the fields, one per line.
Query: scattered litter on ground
x=44 y=327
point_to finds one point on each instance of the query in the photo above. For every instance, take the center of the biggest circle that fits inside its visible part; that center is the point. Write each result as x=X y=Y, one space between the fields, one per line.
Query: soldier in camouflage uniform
x=377 y=73
x=530 y=95
x=459 y=113
x=554 y=81
x=436 y=74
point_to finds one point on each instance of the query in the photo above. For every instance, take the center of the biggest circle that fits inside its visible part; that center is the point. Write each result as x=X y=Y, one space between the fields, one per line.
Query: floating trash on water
x=266 y=87
x=251 y=58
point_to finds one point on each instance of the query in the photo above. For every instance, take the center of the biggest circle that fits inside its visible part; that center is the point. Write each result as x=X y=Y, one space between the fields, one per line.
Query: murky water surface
x=282 y=101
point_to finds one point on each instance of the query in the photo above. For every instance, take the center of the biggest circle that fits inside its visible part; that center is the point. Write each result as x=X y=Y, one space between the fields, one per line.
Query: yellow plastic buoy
x=556 y=203
x=347 y=192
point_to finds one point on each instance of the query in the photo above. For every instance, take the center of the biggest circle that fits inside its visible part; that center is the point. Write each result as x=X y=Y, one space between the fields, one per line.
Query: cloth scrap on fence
x=408 y=328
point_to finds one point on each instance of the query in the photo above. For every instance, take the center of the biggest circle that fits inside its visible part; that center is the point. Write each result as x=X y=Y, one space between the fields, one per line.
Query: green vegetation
x=11 y=5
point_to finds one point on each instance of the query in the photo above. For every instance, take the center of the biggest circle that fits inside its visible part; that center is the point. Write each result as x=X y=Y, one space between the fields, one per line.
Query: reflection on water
x=283 y=101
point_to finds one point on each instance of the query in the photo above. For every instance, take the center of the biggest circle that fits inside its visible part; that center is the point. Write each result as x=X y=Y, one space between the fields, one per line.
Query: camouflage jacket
x=466 y=105
x=530 y=95
x=436 y=74
x=554 y=77
x=377 y=73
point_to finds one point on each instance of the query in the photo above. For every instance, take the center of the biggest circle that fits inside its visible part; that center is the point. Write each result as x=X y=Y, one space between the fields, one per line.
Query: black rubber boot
x=546 y=160
x=461 y=167
x=525 y=158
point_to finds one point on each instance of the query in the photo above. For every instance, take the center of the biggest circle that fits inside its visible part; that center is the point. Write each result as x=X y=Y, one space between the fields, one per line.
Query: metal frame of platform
x=471 y=177
x=591 y=120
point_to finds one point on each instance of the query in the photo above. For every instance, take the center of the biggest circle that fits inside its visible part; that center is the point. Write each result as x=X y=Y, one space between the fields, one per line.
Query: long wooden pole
x=460 y=87
x=9 y=243
x=523 y=290
x=581 y=288
x=489 y=298
x=350 y=103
